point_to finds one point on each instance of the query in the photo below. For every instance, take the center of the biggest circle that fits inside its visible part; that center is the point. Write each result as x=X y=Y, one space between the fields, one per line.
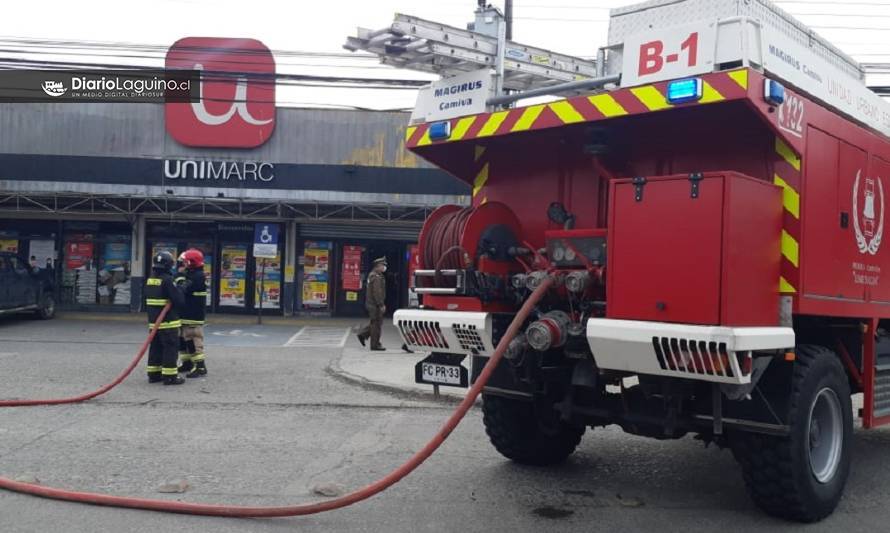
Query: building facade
x=94 y=190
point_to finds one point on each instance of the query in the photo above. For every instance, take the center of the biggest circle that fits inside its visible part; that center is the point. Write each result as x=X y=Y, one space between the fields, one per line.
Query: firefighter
x=159 y=291
x=193 y=284
x=375 y=304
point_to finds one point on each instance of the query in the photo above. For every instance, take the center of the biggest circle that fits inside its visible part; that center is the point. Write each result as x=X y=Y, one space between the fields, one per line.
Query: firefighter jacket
x=159 y=291
x=193 y=284
x=376 y=296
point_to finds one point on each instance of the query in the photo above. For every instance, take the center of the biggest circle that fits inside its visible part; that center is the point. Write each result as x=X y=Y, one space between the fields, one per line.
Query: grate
x=882 y=391
x=688 y=356
x=427 y=333
x=469 y=338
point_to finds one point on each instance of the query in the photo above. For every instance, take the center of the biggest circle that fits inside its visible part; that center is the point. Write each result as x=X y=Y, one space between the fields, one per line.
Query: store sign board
x=186 y=171
x=265 y=240
x=237 y=93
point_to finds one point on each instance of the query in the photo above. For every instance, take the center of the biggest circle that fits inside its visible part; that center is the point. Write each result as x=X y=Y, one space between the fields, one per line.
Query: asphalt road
x=270 y=424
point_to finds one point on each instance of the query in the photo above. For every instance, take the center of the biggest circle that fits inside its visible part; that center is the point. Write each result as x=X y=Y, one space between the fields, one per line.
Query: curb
x=335 y=370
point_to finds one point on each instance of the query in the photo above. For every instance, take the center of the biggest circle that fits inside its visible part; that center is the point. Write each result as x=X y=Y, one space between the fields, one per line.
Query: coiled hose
x=309 y=508
x=444 y=240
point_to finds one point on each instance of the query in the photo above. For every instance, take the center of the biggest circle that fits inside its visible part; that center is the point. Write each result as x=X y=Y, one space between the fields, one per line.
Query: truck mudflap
x=455 y=332
x=706 y=353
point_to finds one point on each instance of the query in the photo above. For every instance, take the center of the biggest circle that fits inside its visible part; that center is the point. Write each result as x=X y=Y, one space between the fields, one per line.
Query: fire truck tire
x=802 y=476
x=515 y=431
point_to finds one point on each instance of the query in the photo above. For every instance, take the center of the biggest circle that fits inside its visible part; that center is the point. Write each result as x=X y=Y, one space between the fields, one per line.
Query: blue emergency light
x=773 y=92
x=683 y=91
x=439 y=131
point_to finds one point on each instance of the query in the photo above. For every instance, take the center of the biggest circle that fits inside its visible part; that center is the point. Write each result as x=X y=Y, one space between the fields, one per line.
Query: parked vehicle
x=24 y=288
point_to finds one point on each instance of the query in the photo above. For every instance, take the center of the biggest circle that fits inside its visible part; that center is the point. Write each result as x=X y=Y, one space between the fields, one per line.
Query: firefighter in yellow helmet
x=159 y=291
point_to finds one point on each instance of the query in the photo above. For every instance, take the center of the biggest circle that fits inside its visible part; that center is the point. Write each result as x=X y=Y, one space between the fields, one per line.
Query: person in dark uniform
x=159 y=291
x=375 y=303
x=193 y=284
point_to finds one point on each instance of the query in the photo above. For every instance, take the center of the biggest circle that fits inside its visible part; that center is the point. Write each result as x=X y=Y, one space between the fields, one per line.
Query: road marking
x=319 y=337
x=295 y=336
x=237 y=333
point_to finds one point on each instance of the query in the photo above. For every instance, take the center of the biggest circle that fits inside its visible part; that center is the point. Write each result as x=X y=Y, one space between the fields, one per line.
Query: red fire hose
x=303 y=509
x=90 y=395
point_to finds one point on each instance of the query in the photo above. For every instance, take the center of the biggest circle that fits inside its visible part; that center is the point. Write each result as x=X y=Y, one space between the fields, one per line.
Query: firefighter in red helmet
x=193 y=283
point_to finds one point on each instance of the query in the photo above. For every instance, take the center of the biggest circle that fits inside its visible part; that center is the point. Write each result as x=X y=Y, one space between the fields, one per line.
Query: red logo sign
x=237 y=88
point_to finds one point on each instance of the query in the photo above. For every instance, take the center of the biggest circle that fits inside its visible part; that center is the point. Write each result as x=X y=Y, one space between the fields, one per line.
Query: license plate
x=449 y=375
x=439 y=369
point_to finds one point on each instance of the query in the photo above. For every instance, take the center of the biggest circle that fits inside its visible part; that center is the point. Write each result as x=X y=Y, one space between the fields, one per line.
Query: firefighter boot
x=171 y=377
x=187 y=364
x=155 y=377
x=199 y=371
x=173 y=380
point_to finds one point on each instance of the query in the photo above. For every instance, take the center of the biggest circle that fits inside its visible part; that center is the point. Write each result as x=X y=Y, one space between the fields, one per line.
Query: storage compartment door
x=665 y=252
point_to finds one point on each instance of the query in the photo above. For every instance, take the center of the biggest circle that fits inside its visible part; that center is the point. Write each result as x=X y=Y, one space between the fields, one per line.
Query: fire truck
x=708 y=208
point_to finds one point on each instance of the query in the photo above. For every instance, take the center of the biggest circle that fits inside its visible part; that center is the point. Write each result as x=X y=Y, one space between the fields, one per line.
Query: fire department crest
x=869 y=228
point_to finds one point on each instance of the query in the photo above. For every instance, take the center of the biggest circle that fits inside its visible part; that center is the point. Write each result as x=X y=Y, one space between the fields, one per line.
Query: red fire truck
x=711 y=218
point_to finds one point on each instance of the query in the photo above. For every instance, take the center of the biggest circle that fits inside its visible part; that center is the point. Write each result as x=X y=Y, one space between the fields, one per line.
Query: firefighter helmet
x=162 y=260
x=192 y=258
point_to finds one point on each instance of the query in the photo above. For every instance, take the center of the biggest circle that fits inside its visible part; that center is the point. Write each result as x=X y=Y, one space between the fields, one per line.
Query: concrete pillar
x=137 y=263
x=290 y=267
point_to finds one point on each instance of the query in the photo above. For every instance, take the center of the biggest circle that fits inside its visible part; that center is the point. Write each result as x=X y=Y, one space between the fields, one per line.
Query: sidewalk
x=217 y=319
x=392 y=370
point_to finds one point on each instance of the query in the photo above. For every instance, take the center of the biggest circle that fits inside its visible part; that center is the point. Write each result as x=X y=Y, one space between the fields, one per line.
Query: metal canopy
x=417 y=44
x=61 y=205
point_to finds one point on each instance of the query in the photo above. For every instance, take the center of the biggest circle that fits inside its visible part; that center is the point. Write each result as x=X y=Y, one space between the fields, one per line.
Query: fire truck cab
x=712 y=221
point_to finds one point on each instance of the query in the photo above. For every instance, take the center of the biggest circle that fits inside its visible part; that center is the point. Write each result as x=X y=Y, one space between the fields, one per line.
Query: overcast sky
x=575 y=27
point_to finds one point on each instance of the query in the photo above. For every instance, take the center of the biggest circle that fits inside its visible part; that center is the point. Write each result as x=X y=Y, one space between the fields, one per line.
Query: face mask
x=383 y=268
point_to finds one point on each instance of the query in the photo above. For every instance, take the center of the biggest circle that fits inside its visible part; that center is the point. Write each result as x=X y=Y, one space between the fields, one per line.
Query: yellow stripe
x=787 y=154
x=153 y=281
x=480 y=151
x=167 y=325
x=481 y=178
x=651 y=98
x=566 y=112
x=607 y=105
x=786 y=287
x=528 y=118
x=790 y=248
x=425 y=139
x=461 y=128
x=160 y=302
x=710 y=94
x=409 y=132
x=740 y=77
x=493 y=123
x=790 y=197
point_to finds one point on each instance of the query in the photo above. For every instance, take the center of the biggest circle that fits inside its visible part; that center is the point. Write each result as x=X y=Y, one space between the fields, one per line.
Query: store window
x=96 y=264
x=316 y=262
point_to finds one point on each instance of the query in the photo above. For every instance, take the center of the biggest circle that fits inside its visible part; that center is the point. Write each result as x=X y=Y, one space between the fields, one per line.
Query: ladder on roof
x=417 y=44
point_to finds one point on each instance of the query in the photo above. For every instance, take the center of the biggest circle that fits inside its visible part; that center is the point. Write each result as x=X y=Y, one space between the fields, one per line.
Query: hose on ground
x=102 y=390
x=308 y=508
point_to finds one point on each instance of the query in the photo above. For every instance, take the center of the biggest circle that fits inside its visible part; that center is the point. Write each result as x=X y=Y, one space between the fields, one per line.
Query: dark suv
x=23 y=288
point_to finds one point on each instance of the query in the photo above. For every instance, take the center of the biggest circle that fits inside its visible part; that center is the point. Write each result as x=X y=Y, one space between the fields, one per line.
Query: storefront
x=336 y=187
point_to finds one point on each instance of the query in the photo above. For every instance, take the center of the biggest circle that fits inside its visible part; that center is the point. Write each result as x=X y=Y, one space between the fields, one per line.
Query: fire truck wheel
x=517 y=433
x=802 y=476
